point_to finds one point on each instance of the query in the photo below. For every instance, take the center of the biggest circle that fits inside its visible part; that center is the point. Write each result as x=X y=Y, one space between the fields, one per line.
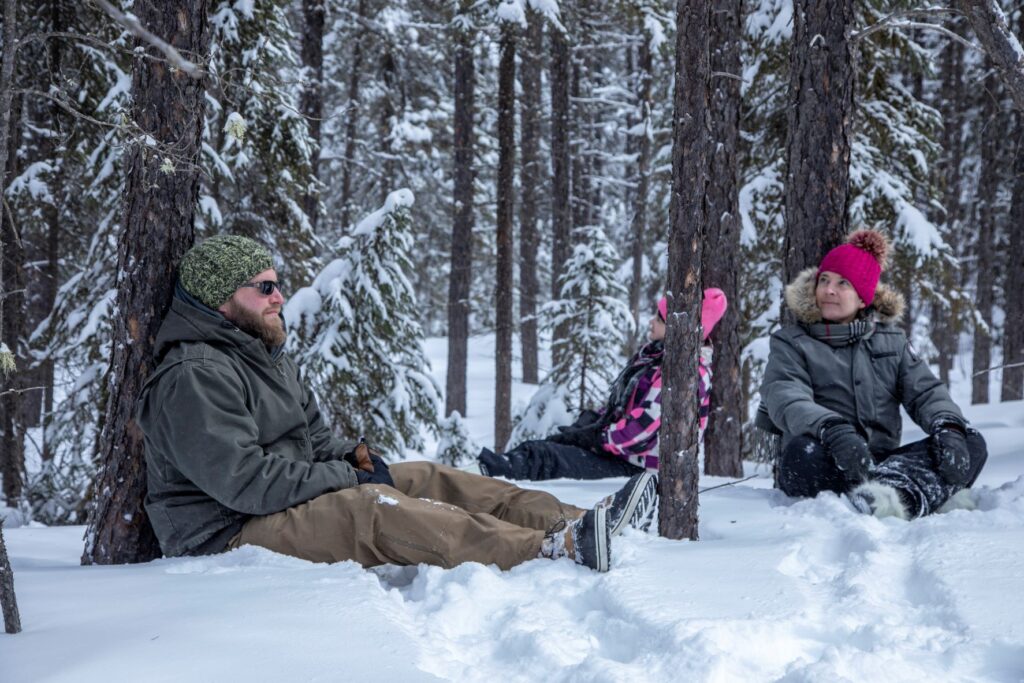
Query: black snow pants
x=545 y=459
x=804 y=469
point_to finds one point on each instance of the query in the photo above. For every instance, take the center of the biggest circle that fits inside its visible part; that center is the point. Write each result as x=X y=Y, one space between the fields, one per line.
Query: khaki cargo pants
x=434 y=515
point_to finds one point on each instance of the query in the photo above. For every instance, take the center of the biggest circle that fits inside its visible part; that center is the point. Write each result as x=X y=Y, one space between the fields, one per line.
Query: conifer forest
x=539 y=171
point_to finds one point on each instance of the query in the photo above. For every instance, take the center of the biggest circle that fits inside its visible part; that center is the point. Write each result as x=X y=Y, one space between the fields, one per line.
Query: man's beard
x=270 y=332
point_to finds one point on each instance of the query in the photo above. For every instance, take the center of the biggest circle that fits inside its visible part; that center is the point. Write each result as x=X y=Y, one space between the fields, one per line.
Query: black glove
x=847 y=448
x=949 y=452
x=380 y=474
x=590 y=438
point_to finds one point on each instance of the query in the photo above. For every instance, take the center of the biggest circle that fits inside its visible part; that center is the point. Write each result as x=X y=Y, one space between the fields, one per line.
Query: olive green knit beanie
x=212 y=270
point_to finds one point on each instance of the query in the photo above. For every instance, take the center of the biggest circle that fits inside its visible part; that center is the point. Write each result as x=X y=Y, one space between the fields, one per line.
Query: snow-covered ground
x=777 y=589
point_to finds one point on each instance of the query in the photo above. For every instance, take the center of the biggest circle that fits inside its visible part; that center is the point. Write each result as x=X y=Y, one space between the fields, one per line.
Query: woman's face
x=837 y=300
x=656 y=328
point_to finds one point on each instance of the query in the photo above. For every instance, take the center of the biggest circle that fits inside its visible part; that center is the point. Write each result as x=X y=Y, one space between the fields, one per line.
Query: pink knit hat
x=861 y=261
x=711 y=311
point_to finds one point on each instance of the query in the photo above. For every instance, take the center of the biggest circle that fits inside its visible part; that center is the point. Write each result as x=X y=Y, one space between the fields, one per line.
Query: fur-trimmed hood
x=888 y=304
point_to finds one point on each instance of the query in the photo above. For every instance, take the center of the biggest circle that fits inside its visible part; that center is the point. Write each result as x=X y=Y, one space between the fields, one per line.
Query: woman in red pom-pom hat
x=834 y=385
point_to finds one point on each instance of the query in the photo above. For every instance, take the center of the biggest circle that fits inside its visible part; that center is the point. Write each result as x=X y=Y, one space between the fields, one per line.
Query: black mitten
x=949 y=452
x=848 y=448
x=380 y=474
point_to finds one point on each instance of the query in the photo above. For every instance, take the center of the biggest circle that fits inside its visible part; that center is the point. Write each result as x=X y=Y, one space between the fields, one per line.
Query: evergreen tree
x=356 y=337
x=597 y=320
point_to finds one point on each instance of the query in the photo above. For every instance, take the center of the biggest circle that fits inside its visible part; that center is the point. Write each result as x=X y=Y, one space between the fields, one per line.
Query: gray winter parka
x=231 y=431
x=809 y=380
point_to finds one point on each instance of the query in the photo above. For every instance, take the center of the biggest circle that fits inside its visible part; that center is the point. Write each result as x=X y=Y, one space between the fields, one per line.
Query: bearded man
x=238 y=452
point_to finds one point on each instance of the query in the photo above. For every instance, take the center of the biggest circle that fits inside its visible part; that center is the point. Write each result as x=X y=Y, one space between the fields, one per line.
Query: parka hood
x=191 y=321
x=888 y=305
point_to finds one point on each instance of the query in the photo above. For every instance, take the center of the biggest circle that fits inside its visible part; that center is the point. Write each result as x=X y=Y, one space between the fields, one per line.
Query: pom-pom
x=872 y=242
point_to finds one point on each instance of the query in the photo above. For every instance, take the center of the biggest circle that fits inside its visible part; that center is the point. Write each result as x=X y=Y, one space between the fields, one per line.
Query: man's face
x=257 y=313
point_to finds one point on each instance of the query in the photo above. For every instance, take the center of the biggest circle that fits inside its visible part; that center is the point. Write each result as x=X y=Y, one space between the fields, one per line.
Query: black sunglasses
x=266 y=287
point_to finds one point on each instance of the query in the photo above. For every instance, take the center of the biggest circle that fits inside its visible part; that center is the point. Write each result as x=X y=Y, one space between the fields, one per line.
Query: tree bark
x=819 y=132
x=159 y=213
x=351 y=120
x=984 y=247
x=947 y=321
x=691 y=173
x=1003 y=48
x=505 y=208
x=8 y=601
x=530 y=192
x=638 y=228
x=460 y=277
x=1012 y=388
x=561 y=167
x=311 y=102
x=12 y=282
x=723 y=436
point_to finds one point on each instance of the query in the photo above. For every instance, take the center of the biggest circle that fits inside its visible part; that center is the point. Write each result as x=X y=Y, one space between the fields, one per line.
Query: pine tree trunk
x=388 y=112
x=984 y=248
x=311 y=102
x=1012 y=388
x=691 y=169
x=819 y=132
x=530 y=168
x=460 y=277
x=723 y=436
x=159 y=213
x=351 y=121
x=8 y=601
x=12 y=282
x=579 y=144
x=506 y=194
x=1003 y=48
x=638 y=228
x=561 y=167
x=946 y=322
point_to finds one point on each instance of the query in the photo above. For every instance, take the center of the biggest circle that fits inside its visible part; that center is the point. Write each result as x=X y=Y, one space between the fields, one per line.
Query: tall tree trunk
x=561 y=167
x=12 y=285
x=984 y=247
x=946 y=322
x=462 y=220
x=311 y=102
x=723 y=436
x=819 y=131
x=505 y=208
x=351 y=120
x=638 y=228
x=529 y=191
x=1003 y=48
x=8 y=601
x=1012 y=388
x=388 y=112
x=691 y=175
x=159 y=214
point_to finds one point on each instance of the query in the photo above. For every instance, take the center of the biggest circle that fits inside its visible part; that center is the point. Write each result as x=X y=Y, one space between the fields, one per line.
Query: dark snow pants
x=544 y=459
x=804 y=469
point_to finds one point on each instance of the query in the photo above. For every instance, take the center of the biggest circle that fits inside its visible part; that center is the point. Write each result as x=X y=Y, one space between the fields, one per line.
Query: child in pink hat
x=621 y=439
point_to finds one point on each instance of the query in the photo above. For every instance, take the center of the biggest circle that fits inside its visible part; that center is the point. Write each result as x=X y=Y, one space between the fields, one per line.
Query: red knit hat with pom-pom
x=861 y=261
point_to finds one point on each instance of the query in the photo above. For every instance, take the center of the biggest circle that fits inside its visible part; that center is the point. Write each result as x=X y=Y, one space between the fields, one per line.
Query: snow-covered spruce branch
x=887 y=21
x=169 y=51
x=923 y=26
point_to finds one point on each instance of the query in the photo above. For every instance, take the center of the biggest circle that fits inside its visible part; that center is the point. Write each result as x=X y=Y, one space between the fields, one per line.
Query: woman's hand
x=848 y=449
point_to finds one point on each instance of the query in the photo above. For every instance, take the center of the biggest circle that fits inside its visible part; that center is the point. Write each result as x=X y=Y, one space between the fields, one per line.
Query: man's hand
x=949 y=451
x=847 y=448
x=379 y=475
